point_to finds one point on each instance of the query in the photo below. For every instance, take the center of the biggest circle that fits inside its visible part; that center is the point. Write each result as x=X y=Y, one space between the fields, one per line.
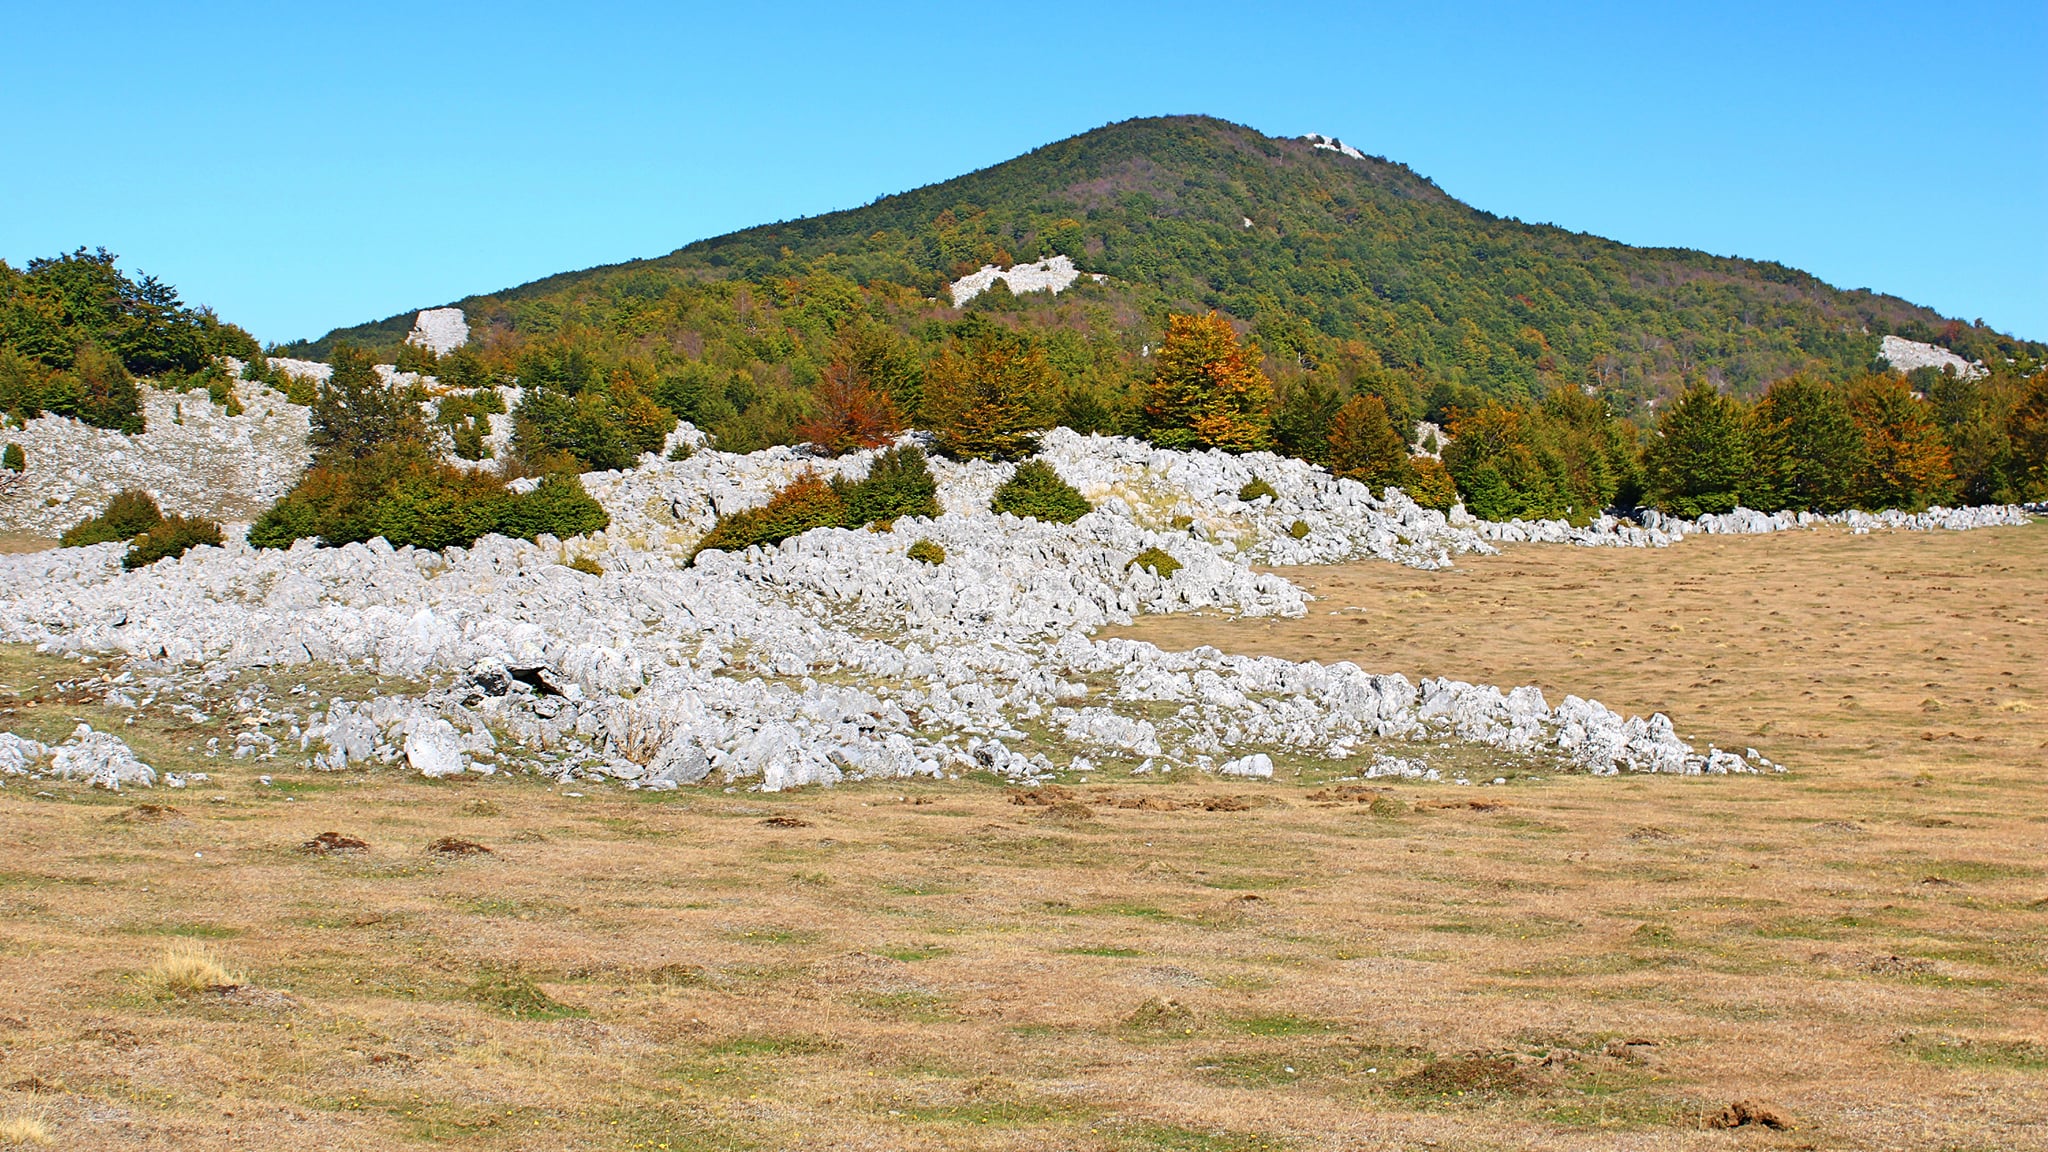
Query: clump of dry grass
x=187 y=969
x=23 y=1130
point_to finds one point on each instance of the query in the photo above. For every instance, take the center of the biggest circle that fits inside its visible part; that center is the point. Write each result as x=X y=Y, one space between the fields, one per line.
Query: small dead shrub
x=786 y=822
x=1044 y=797
x=1483 y=1076
x=330 y=843
x=1162 y=1016
x=455 y=846
x=1747 y=1113
x=147 y=814
x=1067 y=812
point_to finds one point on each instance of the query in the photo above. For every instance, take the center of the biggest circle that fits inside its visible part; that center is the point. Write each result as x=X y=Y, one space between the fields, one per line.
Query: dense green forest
x=1346 y=270
x=75 y=333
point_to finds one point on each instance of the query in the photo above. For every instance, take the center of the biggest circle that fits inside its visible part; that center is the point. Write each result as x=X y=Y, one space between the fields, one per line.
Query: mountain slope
x=1313 y=247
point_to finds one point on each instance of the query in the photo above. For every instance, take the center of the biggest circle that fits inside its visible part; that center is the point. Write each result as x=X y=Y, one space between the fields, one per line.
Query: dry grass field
x=1856 y=949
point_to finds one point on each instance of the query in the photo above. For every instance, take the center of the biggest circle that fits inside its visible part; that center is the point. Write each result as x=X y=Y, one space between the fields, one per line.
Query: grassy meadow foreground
x=1182 y=964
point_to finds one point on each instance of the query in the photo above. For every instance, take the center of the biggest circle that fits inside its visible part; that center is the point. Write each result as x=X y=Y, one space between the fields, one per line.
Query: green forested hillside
x=1347 y=267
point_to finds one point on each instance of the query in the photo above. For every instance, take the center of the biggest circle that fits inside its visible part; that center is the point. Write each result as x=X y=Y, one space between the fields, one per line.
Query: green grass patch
x=1116 y=950
x=916 y=1007
x=1175 y=1138
x=195 y=931
x=1967 y=1052
x=1284 y=1024
x=993 y=1113
x=774 y=935
x=514 y=993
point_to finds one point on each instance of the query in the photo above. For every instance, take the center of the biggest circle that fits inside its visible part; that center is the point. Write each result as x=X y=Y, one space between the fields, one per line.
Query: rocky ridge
x=192 y=456
x=834 y=655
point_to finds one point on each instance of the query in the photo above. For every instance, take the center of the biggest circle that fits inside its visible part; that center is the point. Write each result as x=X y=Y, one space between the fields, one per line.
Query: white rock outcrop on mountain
x=1906 y=355
x=1053 y=274
x=442 y=330
x=1332 y=144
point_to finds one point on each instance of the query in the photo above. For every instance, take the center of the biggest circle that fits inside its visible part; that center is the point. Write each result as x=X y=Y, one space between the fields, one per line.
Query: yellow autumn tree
x=1207 y=390
x=988 y=397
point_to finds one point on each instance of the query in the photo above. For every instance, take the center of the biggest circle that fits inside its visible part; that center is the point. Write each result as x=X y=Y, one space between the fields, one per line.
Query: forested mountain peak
x=1339 y=262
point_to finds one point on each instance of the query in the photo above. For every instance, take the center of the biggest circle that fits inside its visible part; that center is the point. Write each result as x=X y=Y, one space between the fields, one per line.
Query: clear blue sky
x=300 y=169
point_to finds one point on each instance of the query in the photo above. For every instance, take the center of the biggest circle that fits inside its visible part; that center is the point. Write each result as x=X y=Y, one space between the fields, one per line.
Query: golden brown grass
x=12 y=543
x=23 y=1130
x=188 y=968
x=1592 y=964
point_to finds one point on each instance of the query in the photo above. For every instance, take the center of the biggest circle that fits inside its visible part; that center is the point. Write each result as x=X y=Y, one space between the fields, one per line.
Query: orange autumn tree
x=1906 y=462
x=1207 y=390
x=1365 y=447
x=851 y=414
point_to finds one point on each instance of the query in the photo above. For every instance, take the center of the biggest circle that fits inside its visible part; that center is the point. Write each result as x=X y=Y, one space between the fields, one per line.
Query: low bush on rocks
x=559 y=507
x=171 y=537
x=128 y=515
x=467 y=417
x=1158 y=561
x=808 y=502
x=1038 y=492
x=927 y=552
x=1255 y=489
x=899 y=483
x=1299 y=529
x=14 y=459
x=406 y=496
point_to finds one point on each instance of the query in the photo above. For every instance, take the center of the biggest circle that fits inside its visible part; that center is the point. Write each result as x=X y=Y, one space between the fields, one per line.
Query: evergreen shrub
x=171 y=537
x=127 y=516
x=1159 y=560
x=899 y=483
x=1038 y=492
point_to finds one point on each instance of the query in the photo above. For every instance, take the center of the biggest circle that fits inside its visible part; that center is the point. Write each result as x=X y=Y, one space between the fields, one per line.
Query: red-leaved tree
x=851 y=414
